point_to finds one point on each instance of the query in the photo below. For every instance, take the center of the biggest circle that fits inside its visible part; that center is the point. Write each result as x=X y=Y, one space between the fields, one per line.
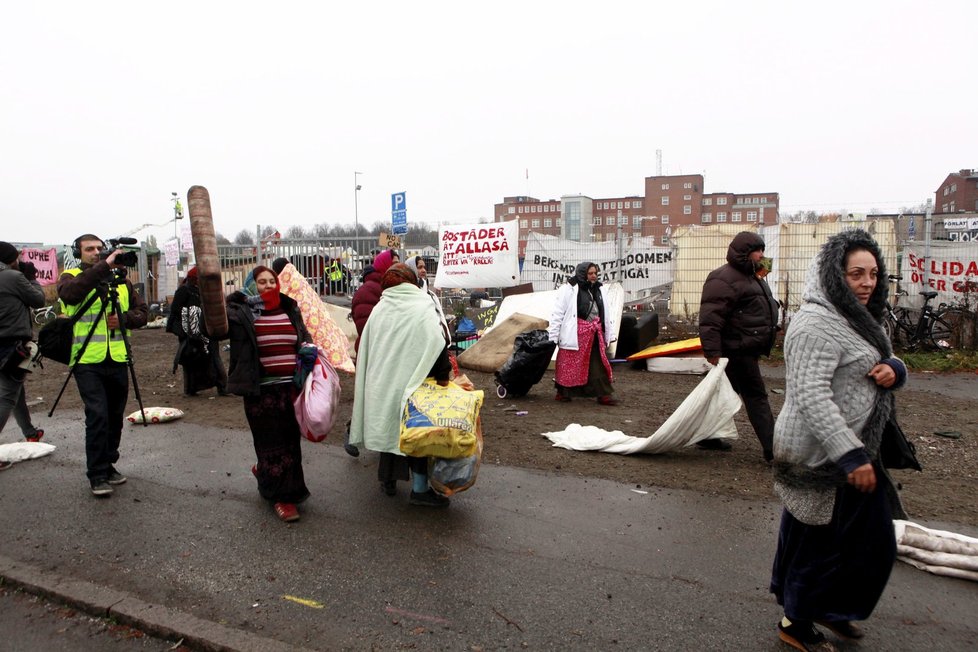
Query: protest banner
x=550 y=260
x=46 y=262
x=484 y=255
x=951 y=270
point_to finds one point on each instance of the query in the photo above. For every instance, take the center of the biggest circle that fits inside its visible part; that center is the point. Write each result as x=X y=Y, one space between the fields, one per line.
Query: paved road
x=523 y=560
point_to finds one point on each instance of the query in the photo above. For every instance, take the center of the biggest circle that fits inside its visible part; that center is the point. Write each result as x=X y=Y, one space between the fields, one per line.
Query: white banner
x=171 y=252
x=186 y=238
x=952 y=271
x=550 y=260
x=485 y=255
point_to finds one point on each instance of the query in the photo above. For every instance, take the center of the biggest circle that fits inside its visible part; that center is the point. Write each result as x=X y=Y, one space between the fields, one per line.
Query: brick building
x=668 y=202
x=958 y=193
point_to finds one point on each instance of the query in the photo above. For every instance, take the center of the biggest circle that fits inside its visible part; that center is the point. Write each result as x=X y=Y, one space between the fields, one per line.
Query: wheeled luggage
x=525 y=367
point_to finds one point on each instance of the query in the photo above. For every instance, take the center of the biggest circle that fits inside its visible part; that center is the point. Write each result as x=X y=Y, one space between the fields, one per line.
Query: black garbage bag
x=525 y=367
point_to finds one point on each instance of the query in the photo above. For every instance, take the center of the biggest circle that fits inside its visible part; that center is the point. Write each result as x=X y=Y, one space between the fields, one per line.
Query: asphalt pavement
x=527 y=560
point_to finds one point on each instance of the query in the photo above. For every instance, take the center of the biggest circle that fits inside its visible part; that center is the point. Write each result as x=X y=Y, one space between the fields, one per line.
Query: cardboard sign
x=389 y=241
x=478 y=256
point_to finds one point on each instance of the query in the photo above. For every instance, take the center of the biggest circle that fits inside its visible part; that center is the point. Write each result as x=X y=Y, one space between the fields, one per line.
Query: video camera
x=127 y=258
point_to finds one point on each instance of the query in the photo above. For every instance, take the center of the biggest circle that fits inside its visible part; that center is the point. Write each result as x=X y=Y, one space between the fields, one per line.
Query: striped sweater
x=277 y=345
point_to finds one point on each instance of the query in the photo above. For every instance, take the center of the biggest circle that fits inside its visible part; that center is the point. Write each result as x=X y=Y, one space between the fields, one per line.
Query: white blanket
x=24 y=450
x=706 y=413
x=937 y=551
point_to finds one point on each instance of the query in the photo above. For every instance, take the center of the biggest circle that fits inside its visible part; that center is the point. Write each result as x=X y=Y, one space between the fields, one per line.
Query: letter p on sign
x=398 y=201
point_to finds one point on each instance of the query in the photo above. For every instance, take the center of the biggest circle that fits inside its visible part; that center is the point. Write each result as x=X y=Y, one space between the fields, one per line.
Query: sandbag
x=495 y=346
x=208 y=264
x=440 y=421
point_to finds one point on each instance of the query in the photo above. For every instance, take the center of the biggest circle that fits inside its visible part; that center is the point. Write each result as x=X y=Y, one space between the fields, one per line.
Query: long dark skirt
x=205 y=372
x=836 y=571
x=275 y=431
x=598 y=383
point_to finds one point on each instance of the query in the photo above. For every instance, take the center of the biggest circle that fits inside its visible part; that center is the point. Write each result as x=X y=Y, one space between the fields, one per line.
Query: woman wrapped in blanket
x=582 y=328
x=402 y=343
x=836 y=544
x=266 y=331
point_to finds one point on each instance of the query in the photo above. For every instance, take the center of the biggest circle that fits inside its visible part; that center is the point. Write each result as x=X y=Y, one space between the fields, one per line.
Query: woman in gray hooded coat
x=836 y=544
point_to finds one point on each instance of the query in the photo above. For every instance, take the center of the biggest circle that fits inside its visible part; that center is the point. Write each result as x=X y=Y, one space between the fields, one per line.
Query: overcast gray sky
x=108 y=107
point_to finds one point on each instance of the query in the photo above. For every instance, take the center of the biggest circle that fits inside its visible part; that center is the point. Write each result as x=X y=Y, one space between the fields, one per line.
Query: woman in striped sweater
x=266 y=331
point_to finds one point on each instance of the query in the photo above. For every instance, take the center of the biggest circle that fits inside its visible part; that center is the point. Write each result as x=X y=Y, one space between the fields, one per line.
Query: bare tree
x=221 y=239
x=244 y=237
x=296 y=232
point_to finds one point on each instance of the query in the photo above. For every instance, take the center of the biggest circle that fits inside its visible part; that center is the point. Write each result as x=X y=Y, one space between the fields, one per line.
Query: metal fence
x=667 y=278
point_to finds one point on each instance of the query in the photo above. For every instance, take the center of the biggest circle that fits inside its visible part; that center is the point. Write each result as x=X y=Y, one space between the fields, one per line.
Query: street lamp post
x=356 y=204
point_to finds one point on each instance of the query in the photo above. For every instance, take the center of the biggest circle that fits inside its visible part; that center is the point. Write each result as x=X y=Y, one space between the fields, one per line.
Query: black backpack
x=54 y=339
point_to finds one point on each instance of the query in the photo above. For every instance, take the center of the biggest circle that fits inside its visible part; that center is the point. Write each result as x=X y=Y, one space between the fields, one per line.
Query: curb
x=154 y=619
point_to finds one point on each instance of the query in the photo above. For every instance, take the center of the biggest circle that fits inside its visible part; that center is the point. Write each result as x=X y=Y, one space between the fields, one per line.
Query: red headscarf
x=191 y=275
x=383 y=261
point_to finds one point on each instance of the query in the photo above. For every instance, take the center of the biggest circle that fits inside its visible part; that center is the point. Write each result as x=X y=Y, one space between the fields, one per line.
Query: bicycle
x=933 y=326
x=44 y=315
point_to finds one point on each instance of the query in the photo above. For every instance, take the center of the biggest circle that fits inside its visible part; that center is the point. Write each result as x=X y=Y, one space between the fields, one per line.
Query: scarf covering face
x=265 y=301
x=397 y=274
x=587 y=293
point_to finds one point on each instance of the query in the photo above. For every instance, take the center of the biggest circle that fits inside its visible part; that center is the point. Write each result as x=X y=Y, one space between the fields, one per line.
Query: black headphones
x=76 y=245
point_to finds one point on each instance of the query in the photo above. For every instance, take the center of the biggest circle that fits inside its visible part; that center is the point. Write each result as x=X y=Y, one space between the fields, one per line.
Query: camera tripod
x=111 y=299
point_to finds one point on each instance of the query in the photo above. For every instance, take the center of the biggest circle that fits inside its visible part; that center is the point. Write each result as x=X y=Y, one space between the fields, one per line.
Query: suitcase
x=525 y=367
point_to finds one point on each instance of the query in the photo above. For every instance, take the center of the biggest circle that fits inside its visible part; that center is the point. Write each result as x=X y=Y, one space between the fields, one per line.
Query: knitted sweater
x=833 y=415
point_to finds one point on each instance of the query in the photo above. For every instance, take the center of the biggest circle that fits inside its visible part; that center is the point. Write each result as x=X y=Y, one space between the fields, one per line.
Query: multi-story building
x=668 y=202
x=958 y=193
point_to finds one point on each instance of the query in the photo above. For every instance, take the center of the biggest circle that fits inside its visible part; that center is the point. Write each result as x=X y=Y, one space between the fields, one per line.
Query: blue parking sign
x=399 y=213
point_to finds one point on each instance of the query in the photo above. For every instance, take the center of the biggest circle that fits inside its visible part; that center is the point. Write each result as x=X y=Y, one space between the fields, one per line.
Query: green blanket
x=399 y=344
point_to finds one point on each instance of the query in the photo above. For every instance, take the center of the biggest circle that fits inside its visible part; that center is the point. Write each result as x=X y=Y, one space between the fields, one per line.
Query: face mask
x=271 y=298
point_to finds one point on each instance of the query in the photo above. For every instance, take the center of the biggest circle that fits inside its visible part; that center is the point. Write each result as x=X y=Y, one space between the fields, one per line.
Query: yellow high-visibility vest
x=335 y=273
x=101 y=338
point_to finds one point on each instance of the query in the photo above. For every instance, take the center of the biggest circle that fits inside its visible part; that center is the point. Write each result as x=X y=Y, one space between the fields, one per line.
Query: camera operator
x=102 y=372
x=19 y=292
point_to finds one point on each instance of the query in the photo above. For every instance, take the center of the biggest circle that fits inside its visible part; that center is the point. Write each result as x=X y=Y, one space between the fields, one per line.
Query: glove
x=28 y=270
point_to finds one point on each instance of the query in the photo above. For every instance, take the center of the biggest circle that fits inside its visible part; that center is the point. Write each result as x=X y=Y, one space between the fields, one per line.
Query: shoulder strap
x=85 y=306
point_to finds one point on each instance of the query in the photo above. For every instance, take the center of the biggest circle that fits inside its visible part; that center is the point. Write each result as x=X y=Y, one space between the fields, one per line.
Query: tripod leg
x=117 y=311
x=81 y=352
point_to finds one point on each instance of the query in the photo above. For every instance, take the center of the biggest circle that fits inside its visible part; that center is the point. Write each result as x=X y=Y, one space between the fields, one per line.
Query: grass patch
x=940 y=360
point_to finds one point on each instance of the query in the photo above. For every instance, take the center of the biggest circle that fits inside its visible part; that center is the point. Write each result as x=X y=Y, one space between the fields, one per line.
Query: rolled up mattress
x=208 y=264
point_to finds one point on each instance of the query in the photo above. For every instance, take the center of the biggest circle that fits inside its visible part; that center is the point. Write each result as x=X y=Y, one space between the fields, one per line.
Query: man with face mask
x=738 y=321
x=101 y=372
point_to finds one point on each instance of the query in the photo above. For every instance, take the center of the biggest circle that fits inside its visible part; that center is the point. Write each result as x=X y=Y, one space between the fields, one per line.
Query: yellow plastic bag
x=440 y=421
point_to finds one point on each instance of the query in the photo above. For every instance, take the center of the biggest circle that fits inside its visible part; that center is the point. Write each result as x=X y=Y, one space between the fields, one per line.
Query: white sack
x=707 y=413
x=24 y=450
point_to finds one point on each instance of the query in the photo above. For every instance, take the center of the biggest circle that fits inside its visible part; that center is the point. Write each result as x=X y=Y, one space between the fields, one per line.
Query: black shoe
x=429 y=499
x=101 y=488
x=804 y=637
x=714 y=445
x=116 y=478
x=389 y=487
x=351 y=450
x=842 y=628
x=768 y=456
x=223 y=392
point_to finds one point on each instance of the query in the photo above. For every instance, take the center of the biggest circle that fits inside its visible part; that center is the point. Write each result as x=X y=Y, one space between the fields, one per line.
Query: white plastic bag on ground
x=707 y=413
x=24 y=450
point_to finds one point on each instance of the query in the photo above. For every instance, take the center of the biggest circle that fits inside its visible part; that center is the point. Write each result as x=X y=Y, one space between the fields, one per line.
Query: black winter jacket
x=738 y=315
x=244 y=375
